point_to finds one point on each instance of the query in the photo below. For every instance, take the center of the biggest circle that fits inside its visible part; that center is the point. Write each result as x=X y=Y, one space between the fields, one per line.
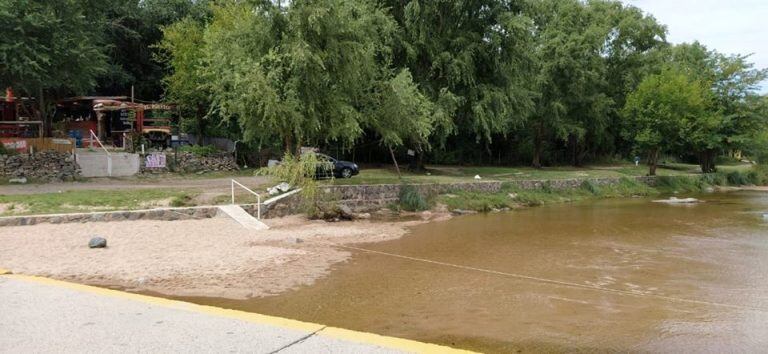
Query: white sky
x=729 y=26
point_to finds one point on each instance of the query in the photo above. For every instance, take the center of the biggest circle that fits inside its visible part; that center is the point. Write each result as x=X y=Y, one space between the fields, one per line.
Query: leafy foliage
x=660 y=110
x=49 y=46
x=411 y=200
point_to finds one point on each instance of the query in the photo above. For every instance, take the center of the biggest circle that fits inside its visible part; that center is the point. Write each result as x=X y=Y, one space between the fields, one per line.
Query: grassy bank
x=453 y=174
x=91 y=200
x=511 y=196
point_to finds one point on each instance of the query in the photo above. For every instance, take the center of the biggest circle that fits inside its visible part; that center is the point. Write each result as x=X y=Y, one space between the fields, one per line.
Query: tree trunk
x=573 y=147
x=43 y=113
x=537 y=145
x=653 y=158
x=707 y=161
x=288 y=142
x=397 y=168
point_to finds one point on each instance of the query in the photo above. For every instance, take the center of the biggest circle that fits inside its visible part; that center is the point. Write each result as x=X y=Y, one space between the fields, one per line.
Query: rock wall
x=363 y=198
x=46 y=166
x=166 y=214
x=187 y=162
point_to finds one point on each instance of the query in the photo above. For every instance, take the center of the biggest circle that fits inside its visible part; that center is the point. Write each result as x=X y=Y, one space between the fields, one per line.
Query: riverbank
x=512 y=196
x=217 y=257
x=210 y=257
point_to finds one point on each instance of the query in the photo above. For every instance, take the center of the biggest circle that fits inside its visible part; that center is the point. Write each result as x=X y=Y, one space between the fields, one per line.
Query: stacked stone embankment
x=187 y=162
x=44 y=166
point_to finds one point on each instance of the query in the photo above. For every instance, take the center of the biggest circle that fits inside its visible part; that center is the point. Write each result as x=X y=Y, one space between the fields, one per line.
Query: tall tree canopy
x=661 y=110
x=733 y=119
x=309 y=73
x=49 y=48
x=472 y=58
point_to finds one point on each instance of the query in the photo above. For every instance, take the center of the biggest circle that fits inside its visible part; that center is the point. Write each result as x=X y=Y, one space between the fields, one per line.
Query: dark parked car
x=328 y=166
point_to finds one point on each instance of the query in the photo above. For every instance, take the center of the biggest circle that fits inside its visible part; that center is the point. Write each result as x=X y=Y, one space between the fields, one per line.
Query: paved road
x=42 y=315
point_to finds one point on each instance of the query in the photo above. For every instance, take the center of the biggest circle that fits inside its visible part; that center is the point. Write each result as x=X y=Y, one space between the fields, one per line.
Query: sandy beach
x=209 y=257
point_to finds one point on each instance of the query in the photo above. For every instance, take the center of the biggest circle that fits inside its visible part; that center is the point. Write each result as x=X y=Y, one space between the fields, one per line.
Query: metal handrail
x=258 y=197
x=109 y=155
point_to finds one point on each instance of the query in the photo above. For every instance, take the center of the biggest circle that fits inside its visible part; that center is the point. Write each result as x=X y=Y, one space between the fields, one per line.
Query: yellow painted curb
x=332 y=332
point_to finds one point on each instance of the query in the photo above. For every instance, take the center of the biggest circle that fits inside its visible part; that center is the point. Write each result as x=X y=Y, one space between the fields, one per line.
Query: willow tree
x=660 y=110
x=471 y=58
x=303 y=72
x=589 y=55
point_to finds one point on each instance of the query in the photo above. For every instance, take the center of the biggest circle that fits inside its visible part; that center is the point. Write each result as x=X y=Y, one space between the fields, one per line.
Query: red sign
x=19 y=145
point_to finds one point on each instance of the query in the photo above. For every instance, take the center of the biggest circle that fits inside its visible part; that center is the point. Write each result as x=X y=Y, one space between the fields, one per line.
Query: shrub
x=679 y=183
x=591 y=187
x=737 y=178
x=411 y=200
x=715 y=179
x=181 y=201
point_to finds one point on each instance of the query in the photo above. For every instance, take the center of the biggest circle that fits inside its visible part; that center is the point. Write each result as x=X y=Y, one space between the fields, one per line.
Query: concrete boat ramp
x=40 y=315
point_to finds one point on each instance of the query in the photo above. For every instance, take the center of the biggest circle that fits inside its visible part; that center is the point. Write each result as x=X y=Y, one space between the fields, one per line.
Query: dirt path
x=215 y=185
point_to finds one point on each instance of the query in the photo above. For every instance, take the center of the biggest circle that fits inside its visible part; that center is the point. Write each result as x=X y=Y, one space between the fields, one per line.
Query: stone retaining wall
x=359 y=198
x=167 y=214
x=187 y=162
x=365 y=198
x=48 y=166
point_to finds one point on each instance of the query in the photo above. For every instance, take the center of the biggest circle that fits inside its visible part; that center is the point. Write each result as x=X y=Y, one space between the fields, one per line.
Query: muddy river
x=612 y=275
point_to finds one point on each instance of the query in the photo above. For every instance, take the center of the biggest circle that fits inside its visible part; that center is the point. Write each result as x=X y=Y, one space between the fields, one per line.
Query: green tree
x=48 y=49
x=131 y=30
x=471 y=58
x=733 y=118
x=311 y=73
x=588 y=57
x=182 y=48
x=660 y=110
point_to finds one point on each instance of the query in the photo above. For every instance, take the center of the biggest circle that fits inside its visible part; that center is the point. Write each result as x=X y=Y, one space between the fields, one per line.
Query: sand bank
x=210 y=257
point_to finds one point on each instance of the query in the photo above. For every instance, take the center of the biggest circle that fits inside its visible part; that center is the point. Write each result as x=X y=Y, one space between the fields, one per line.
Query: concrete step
x=95 y=164
x=242 y=217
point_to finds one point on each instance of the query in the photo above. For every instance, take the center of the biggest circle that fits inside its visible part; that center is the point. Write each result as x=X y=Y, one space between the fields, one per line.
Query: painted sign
x=61 y=141
x=155 y=161
x=19 y=145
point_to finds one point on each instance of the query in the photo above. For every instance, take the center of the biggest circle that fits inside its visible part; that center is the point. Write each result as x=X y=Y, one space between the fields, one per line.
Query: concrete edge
x=332 y=332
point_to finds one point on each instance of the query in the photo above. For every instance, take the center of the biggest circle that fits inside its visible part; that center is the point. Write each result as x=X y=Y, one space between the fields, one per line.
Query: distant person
x=637 y=160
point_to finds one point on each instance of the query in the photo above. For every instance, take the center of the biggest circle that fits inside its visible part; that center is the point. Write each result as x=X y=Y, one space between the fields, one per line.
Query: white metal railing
x=258 y=197
x=109 y=156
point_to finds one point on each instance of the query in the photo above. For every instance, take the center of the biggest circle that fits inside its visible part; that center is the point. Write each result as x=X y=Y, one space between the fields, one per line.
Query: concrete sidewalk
x=44 y=315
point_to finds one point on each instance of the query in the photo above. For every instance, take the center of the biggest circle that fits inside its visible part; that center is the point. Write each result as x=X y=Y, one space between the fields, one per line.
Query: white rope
x=551 y=281
x=533 y=278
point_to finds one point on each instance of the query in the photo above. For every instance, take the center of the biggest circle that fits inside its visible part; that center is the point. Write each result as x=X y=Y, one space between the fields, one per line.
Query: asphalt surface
x=41 y=316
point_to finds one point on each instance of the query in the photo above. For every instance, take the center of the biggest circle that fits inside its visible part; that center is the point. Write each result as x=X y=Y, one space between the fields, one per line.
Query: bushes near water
x=758 y=175
x=411 y=200
x=512 y=196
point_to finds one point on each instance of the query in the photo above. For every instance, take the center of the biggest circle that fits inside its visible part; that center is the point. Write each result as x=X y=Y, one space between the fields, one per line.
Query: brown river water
x=605 y=276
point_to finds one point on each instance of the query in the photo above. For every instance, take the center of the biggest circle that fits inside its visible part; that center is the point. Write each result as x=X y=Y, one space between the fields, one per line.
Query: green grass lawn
x=450 y=174
x=90 y=200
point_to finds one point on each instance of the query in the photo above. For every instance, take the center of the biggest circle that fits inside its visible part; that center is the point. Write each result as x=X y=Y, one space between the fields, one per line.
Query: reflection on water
x=715 y=253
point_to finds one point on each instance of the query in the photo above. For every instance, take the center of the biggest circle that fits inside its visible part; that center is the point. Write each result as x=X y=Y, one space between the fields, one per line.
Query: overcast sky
x=729 y=26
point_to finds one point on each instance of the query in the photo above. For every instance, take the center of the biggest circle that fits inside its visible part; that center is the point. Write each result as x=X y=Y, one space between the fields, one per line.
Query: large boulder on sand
x=97 y=242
